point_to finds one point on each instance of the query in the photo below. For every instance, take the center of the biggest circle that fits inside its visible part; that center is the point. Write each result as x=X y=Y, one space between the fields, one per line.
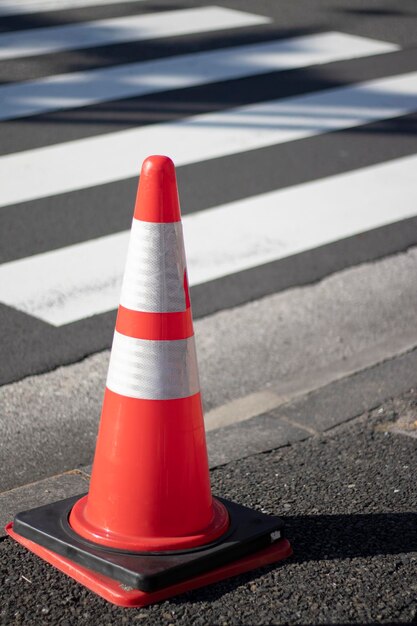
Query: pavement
x=348 y=496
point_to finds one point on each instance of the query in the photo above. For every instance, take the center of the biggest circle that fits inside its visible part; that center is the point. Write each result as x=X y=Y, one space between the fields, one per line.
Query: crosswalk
x=262 y=99
x=64 y=286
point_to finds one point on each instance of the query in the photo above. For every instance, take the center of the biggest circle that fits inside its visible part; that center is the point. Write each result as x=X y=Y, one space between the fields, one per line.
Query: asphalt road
x=50 y=205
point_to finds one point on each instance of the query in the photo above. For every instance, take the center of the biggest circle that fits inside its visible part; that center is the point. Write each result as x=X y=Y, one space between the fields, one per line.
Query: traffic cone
x=149 y=527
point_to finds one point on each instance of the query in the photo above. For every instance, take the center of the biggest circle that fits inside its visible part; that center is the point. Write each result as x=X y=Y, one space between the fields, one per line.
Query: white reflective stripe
x=155 y=266
x=153 y=370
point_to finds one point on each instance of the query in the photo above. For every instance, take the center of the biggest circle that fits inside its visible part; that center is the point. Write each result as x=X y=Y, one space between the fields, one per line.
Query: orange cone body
x=149 y=527
x=150 y=486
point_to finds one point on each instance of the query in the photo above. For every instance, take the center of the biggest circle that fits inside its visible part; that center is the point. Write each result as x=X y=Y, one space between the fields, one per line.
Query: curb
x=315 y=412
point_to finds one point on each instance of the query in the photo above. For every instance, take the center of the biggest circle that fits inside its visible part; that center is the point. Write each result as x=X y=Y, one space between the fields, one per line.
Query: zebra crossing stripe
x=40 y=41
x=11 y=7
x=63 y=168
x=78 y=89
x=81 y=280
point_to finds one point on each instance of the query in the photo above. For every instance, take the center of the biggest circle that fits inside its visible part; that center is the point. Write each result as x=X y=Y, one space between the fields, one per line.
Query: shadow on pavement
x=317 y=537
x=325 y=537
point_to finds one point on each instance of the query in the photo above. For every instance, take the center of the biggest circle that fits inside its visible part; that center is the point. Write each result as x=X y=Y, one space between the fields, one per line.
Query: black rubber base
x=48 y=526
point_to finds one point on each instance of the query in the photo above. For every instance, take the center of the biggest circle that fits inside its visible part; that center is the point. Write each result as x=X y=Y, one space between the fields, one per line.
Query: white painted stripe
x=78 y=89
x=153 y=370
x=18 y=7
x=155 y=266
x=66 y=285
x=87 y=162
x=118 y=30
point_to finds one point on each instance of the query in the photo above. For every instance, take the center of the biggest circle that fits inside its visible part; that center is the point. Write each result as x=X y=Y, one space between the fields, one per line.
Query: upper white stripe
x=66 y=285
x=154 y=275
x=153 y=370
x=88 y=162
x=78 y=89
x=17 y=7
x=118 y=30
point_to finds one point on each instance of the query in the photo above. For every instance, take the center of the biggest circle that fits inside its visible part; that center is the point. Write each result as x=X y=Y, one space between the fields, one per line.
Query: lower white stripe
x=132 y=28
x=153 y=370
x=78 y=89
x=69 y=284
x=88 y=162
x=154 y=274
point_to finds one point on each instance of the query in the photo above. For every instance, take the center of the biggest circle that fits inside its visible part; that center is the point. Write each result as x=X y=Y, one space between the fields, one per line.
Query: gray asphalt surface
x=349 y=500
x=28 y=228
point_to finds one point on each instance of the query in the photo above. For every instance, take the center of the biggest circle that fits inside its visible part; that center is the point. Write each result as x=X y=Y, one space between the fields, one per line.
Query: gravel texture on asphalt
x=348 y=498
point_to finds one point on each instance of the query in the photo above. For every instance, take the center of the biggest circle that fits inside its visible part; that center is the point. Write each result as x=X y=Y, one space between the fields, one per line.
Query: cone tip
x=157 y=163
x=157 y=199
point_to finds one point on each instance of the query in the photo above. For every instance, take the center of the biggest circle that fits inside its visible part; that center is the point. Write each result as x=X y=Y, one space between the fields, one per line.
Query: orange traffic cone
x=149 y=528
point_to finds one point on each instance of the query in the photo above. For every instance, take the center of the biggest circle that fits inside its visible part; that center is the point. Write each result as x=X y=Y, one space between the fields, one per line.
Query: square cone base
x=138 y=579
x=118 y=594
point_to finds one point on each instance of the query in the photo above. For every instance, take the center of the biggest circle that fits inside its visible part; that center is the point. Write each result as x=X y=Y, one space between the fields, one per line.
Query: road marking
x=81 y=280
x=39 y=41
x=17 y=7
x=78 y=89
x=88 y=162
